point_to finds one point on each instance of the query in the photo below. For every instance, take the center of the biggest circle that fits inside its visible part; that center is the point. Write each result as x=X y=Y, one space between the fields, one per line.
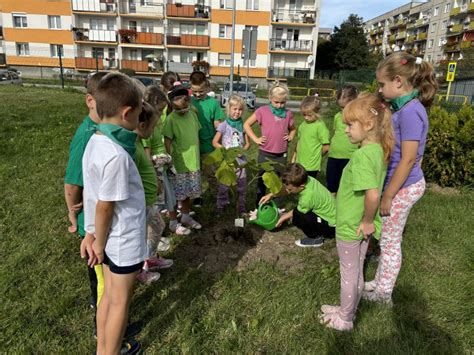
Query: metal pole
x=449 y=90
x=60 y=54
x=96 y=62
x=232 y=45
x=248 y=62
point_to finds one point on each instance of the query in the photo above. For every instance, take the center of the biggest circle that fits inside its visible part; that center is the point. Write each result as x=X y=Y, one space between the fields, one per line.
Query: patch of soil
x=447 y=191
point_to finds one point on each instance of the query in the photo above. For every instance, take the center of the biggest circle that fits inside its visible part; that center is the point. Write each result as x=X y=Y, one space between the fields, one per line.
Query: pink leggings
x=351 y=264
x=391 y=237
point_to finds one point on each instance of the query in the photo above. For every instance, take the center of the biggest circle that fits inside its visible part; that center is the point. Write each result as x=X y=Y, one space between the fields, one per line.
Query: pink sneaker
x=147 y=277
x=156 y=263
x=333 y=321
x=327 y=309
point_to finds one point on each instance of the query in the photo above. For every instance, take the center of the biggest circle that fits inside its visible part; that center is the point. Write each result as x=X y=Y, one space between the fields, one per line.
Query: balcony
x=3 y=59
x=410 y=39
x=401 y=35
x=467 y=44
x=88 y=35
x=304 y=17
x=421 y=36
x=136 y=65
x=422 y=22
x=134 y=37
x=105 y=7
x=455 y=29
x=391 y=38
x=300 y=73
x=455 y=11
x=187 y=40
x=182 y=68
x=469 y=26
x=452 y=47
x=140 y=8
x=411 y=25
x=197 y=12
x=399 y=23
x=291 y=45
x=89 y=63
x=1 y=32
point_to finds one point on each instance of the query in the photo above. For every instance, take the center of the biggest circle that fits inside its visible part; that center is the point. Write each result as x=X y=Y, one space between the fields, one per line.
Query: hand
x=367 y=229
x=283 y=218
x=385 y=206
x=77 y=207
x=86 y=249
x=287 y=137
x=265 y=199
x=261 y=140
x=72 y=216
x=98 y=251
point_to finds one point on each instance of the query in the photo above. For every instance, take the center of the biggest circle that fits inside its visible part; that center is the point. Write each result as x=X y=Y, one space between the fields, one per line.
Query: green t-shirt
x=156 y=142
x=183 y=130
x=366 y=170
x=147 y=174
x=341 y=147
x=209 y=111
x=317 y=198
x=311 y=137
x=74 y=165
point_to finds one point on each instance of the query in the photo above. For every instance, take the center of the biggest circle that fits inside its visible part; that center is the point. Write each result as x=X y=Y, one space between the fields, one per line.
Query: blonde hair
x=418 y=73
x=234 y=100
x=311 y=104
x=278 y=89
x=370 y=108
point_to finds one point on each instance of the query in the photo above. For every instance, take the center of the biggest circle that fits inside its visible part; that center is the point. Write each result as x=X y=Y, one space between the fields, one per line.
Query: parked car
x=240 y=89
x=146 y=80
x=10 y=77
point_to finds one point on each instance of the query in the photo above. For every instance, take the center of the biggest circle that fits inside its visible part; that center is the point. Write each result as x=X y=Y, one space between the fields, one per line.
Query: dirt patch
x=447 y=191
x=221 y=247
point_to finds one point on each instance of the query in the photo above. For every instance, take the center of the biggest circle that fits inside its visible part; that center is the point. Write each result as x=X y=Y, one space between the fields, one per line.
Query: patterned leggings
x=391 y=238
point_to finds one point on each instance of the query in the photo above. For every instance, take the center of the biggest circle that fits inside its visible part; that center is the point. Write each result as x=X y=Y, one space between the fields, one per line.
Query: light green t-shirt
x=209 y=111
x=183 y=130
x=156 y=142
x=311 y=137
x=317 y=198
x=341 y=147
x=147 y=174
x=74 y=165
x=366 y=170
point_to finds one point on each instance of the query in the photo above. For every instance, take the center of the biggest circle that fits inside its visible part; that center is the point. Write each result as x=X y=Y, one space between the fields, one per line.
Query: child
x=409 y=84
x=315 y=214
x=313 y=137
x=230 y=134
x=210 y=116
x=181 y=133
x=114 y=204
x=357 y=202
x=278 y=129
x=146 y=124
x=341 y=148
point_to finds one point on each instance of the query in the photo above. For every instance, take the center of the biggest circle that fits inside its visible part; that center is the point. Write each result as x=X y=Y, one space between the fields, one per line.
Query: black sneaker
x=130 y=346
x=133 y=329
x=310 y=242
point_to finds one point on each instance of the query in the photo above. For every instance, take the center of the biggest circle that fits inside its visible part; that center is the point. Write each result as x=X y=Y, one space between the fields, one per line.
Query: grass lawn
x=264 y=308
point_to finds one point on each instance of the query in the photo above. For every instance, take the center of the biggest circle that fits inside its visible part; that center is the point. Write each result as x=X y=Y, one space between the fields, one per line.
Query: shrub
x=449 y=153
x=127 y=71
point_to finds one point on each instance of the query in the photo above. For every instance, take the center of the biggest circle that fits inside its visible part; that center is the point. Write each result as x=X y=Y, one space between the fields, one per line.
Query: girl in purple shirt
x=409 y=84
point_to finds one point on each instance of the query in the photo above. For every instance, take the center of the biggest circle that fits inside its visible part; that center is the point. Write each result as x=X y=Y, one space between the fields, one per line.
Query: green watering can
x=267 y=216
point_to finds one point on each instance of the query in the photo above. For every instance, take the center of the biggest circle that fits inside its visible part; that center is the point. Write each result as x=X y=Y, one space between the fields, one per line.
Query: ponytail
x=387 y=139
x=425 y=82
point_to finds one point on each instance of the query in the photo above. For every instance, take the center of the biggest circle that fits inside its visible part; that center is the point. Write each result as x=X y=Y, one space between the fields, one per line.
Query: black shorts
x=334 y=172
x=121 y=270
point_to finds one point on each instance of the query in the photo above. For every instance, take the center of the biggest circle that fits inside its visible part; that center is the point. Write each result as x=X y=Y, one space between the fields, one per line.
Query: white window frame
x=430 y=43
x=252 y=5
x=433 y=27
x=23 y=21
x=225 y=4
x=186 y=29
x=440 y=41
x=187 y=57
x=110 y=25
x=225 y=31
x=96 y=24
x=100 y=51
x=436 y=11
x=447 y=7
x=253 y=63
x=54 y=50
x=444 y=24
x=133 y=54
x=22 y=49
x=223 y=59
x=147 y=26
x=54 y=22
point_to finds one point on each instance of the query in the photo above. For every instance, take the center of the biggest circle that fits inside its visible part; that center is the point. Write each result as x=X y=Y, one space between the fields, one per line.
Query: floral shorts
x=187 y=185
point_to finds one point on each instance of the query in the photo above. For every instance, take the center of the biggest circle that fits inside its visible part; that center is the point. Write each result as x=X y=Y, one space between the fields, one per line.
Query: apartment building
x=436 y=30
x=151 y=36
x=3 y=58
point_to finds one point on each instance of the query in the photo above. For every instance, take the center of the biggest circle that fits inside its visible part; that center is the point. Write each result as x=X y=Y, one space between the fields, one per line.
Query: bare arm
x=216 y=140
x=73 y=197
x=248 y=129
x=371 y=204
x=168 y=145
x=247 y=142
x=104 y=212
x=408 y=159
x=293 y=158
x=291 y=135
x=325 y=149
x=285 y=217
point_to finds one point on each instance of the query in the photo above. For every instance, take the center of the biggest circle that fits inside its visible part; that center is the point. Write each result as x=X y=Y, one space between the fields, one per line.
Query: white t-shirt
x=110 y=174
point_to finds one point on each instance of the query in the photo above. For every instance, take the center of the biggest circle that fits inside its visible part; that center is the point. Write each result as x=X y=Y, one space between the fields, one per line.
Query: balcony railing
x=293 y=16
x=189 y=11
x=391 y=38
x=451 y=47
x=456 y=28
x=137 y=65
x=88 y=35
x=300 y=73
x=89 y=63
x=188 y=40
x=94 y=6
x=469 y=26
x=467 y=44
x=401 y=35
x=421 y=36
x=142 y=7
x=183 y=68
x=411 y=39
x=291 y=45
x=134 y=37
x=422 y=22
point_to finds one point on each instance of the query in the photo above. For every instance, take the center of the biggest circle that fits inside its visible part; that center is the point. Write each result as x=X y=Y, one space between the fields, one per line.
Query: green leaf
x=231 y=154
x=214 y=158
x=272 y=181
x=225 y=174
x=267 y=166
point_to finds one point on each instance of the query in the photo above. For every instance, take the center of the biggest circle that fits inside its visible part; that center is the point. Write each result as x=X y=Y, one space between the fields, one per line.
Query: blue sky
x=333 y=12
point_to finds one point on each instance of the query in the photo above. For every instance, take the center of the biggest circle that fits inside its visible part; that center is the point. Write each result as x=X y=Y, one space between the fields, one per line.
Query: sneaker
x=327 y=309
x=190 y=222
x=373 y=296
x=370 y=286
x=179 y=229
x=131 y=346
x=157 y=263
x=310 y=242
x=147 y=277
x=333 y=321
x=164 y=244
x=133 y=329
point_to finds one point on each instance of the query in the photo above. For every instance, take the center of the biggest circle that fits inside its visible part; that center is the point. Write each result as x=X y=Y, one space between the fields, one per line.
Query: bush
x=449 y=153
x=315 y=83
x=127 y=71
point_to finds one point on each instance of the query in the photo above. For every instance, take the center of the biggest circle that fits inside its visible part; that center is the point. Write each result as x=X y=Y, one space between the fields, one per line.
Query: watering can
x=267 y=216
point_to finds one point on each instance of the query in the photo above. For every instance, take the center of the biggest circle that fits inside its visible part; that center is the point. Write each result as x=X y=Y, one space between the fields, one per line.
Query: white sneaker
x=179 y=229
x=164 y=244
x=190 y=222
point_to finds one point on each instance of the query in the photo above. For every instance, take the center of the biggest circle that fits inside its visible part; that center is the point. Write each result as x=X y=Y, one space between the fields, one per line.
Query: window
x=22 y=49
x=200 y=29
x=147 y=52
x=132 y=25
x=225 y=31
x=96 y=24
x=226 y=4
x=56 y=49
x=186 y=57
x=252 y=62
x=440 y=41
x=146 y=2
x=54 y=22
x=444 y=24
x=429 y=57
x=436 y=11
x=133 y=54
x=97 y=52
x=433 y=27
x=186 y=29
x=430 y=43
x=147 y=27
x=110 y=25
x=447 y=7
x=224 y=59
x=19 y=20
x=252 y=4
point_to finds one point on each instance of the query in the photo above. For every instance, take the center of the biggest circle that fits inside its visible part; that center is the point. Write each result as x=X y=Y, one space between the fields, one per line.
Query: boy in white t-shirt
x=114 y=205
